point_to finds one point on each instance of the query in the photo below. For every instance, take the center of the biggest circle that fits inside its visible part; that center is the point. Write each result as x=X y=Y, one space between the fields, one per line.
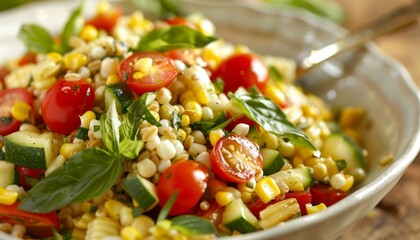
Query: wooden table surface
x=397 y=216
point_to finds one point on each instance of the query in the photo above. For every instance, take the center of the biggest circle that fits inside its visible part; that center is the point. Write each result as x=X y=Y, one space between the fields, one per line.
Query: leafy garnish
x=38 y=39
x=272 y=119
x=161 y=8
x=218 y=84
x=86 y=174
x=341 y=164
x=176 y=121
x=192 y=225
x=207 y=126
x=130 y=148
x=275 y=74
x=110 y=128
x=169 y=38
x=167 y=207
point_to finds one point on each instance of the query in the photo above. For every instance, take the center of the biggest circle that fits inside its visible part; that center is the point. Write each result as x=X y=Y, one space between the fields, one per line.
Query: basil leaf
x=192 y=225
x=167 y=207
x=110 y=128
x=130 y=148
x=72 y=28
x=207 y=126
x=87 y=174
x=275 y=74
x=176 y=121
x=218 y=84
x=160 y=8
x=272 y=119
x=36 y=38
x=132 y=120
x=165 y=39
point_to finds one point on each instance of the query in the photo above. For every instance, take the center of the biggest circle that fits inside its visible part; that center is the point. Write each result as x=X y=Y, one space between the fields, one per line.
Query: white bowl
x=364 y=78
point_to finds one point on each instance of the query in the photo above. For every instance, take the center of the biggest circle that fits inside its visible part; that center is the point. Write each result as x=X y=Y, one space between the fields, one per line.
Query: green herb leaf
x=72 y=28
x=207 y=126
x=167 y=207
x=275 y=74
x=88 y=173
x=193 y=225
x=176 y=121
x=36 y=38
x=130 y=148
x=110 y=128
x=165 y=39
x=341 y=164
x=272 y=119
x=160 y=8
x=218 y=84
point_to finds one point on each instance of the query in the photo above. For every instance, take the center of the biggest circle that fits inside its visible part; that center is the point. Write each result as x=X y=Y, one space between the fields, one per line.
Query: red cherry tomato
x=302 y=198
x=105 y=21
x=244 y=70
x=243 y=119
x=236 y=159
x=214 y=214
x=37 y=225
x=64 y=102
x=178 y=20
x=161 y=73
x=257 y=206
x=322 y=193
x=29 y=57
x=4 y=71
x=189 y=178
x=28 y=173
x=8 y=97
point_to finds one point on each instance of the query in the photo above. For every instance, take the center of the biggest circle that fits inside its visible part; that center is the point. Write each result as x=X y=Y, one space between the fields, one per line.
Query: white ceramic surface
x=365 y=78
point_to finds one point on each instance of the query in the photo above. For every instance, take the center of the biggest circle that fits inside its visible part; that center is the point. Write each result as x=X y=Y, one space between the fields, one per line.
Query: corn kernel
x=182 y=135
x=86 y=118
x=103 y=7
x=187 y=96
x=89 y=33
x=155 y=115
x=314 y=209
x=224 y=198
x=215 y=135
x=267 y=189
x=74 y=61
x=349 y=183
x=78 y=233
x=68 y=149
x=21 y=110
x=275 y=94
x=211 y=57
x=351 y=116
x=135 y=20
x=131 y=233
x=143 y=64
x=7 y=197
x=113 y=208
x=83 y=222
x=185 y=120
x=113 y=78
x=55 y=57
x=193 y=110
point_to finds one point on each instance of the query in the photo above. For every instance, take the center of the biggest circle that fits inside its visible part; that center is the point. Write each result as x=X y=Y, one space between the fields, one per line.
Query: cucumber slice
x=31 y=149
x=237 y=216
x=339 y=146
x=143 y=191
x=121 y=93
x=7 y=173
x=272 y=159
x=297 y=179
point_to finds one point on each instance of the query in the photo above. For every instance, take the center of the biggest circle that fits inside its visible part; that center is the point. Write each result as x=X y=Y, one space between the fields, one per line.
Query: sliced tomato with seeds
x=324 y=193
x=302 y=197
x=37 y=225
x=29 y=176
x=8 y=97
x=235 y=158
x=142 y=78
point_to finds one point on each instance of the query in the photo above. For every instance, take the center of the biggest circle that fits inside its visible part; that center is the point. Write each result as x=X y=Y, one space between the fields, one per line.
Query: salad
x=128 y=128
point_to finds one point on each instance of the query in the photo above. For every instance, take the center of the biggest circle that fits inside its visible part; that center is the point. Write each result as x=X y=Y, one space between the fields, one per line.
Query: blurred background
x=397 y=215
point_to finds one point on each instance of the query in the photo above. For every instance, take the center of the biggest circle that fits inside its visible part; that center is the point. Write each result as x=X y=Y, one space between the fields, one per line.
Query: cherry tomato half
x=214 y=214
x=28 y=174
x=236 y=159
x=302 y=197
x=8 y=97
x=322 y=193
x=189 y=178
x=64 y=102
x=37 y=225
x=29 y=57
x=244 y=70
x=178 y=20
x=161 y=73
x=258 y=205
x=105 y=21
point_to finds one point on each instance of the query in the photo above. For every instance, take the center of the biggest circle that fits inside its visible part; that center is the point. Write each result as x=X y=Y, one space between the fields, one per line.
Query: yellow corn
x=86 y=118
x=83 y=221
x=74 y=61
x=224 y=198
x=351 y=116
x=209 y=55
x=78 y=233
x=68 y=149
x=89 y=33
x=113 y=78
x=267 y=189
x=103 y=7
x=215 y=135
x=7 y=197
x=131 y=233
x=187 y=96
x=274 y=93
x=185 y=120
x=155 y=115
x=55 y=57
x=86 y=207
x=21 y=110
x=182 y=135
x=349 y=183
x=246 y=197
x=314 y=209
x=113 y=208
x=193 y=110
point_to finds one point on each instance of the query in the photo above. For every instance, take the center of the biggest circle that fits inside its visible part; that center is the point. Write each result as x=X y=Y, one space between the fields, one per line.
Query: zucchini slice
x=31 y=149
x=7 y=173
x=121 y=93
x=297 y=179
x=237 y=216
x=143 y=191
x=272 y=161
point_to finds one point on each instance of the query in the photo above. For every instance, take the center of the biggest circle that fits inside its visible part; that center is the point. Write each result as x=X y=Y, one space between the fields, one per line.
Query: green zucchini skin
x=121 y=93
